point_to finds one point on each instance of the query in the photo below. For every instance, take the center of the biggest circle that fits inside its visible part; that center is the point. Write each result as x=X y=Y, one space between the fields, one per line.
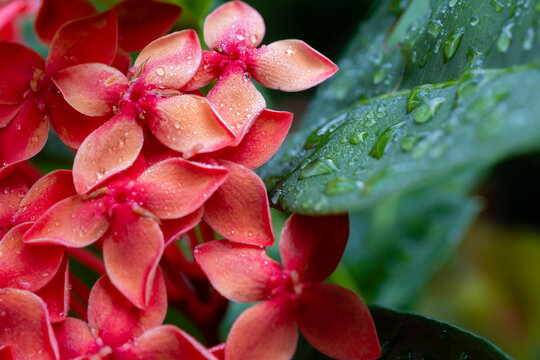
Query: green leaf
x=412 y=336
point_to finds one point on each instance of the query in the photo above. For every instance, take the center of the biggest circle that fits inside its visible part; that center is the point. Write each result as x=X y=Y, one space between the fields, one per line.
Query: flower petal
x=289 y=65
x=241 y=273
x=7 y=113
x=6 y=353
x=75 y=339
x=87 y=40
x=142 y=21
x=234 y=22
x=131 y=253
x=26 y=266
x=261 y=141
x=208 y=70
x=55 y=13
x=337 y=322
x=56 y=293
x=12 y=191
x=72 y=222
x=170 y=61
x=122 y=61
x=239 y=209
x=17 y=67
x=313 y=245
x=173 y=229
x=176 y=187
x=188 y=124
x=236 y=100
x=25 y=327
x=166 y=342
x=266 y=331
x=116 y=319
x=113 y=147
x=93 y=89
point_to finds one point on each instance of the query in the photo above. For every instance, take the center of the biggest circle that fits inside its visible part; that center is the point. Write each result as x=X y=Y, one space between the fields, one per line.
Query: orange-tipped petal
x=208 y=70
x=87 y=40
x=113 y=147
x=176 y=187
x=56 y=293
x=188 y=124
x=26 y=266
x=170 y=61
x=72 y=222
x=289 y=65
x=266 y=331
x=25 y=327
x=236 y=100
x=337 y=323
x=55 y=13
x=142 y=21
x=261 y=141
x=173 y=229
x=241 y=273
x=313 y=245
x=116 y=320
x=234 y=22
x=17 y=67
x=7 y=113
x=47 y=191
x=239 y=209
x=131 y=252
x=166 y=342
x=93 y=89
x=75 y=339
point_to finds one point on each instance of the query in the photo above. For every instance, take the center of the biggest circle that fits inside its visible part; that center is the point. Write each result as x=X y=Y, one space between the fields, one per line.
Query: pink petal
x=12 y=191
x=56 y=293
x=116 y=319
x=209 y=69
x=55 y=13
x=337 y=322
x=75 y=339
x=142 y=21
x=131 y=252
x=176 y=187
x=234 y=22
x=47 y=191
x=261 y=141
x=289 y=65
x=72 y=222
x=236 y=100
x=266 y=331
x=188 y=124
x=174 y=229
x=166 y=342
x=87 y=40
x=26 y=266
x=241 y=273
x=113 y=147
x=170 y=61
x=25 y=327
x=93 y=89
x=7 y=113
x=239 y=209
x=313 y=245
x=17 y=67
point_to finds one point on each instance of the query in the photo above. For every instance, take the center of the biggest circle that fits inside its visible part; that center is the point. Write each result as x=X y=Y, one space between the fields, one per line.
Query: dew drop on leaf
x=318 y=167
x=451 y=44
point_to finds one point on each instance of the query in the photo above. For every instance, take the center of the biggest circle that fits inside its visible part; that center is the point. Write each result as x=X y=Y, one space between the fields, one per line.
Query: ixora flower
x=127 y=213
x=333 y=319
x=11 y=13
x=233 y=31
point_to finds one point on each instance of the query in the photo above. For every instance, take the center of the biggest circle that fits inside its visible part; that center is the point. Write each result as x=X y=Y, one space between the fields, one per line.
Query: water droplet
x=427 y=110
x=423 y=61
x=529 y=39
x=409 y=141
x=475 y=20
x=356 y=139
x=381 y=73
x=505 y=38
x=379 y=148
x=318 y=167
x=434 y=28
x=341 y=186
x=497 y=4
x=451 y=44
x=160 y=71
x=452 y=3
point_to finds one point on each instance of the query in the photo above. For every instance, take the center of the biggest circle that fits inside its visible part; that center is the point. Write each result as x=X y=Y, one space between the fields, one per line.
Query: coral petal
x=75 y=339
x=261 y=141
x=116 y=319
x=113 y=147
x=142 y=21
x=234 y=22
x=56 y=293
x=55 y=13
x=12 y=191
x=131 y=252
x=266 y=331
x=87 y=40
x=239 y=209
x=241 y=273
x=92 y=89
x=72 y=222
x=173 y=229
x=170 y=61
x=208 y=70
x=289 y=65
x=25 y=327
x=236 y=99
x=337 y=322
x=176 y=187
x=7 y=113
x=313 y=245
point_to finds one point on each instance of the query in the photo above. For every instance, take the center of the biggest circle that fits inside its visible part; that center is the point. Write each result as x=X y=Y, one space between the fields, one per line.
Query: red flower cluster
x=156 y=161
